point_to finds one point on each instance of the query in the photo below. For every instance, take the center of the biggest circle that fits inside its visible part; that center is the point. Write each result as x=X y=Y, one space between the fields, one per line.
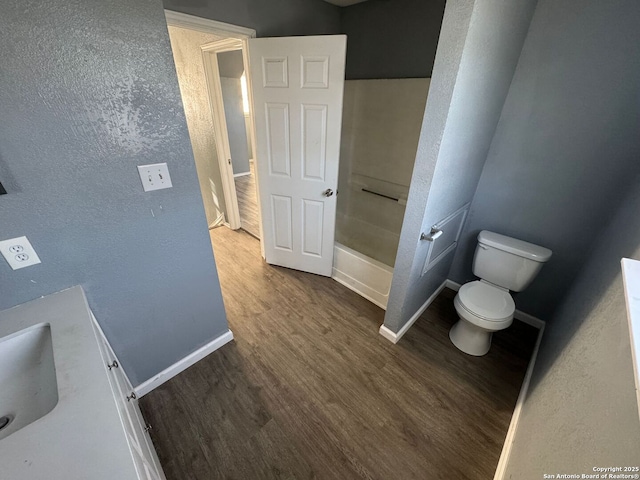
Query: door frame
x=221 y=134
x=237 y=38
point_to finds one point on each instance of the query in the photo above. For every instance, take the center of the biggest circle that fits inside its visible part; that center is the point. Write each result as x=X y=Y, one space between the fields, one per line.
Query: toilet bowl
x=484 y=306
x=483 y=309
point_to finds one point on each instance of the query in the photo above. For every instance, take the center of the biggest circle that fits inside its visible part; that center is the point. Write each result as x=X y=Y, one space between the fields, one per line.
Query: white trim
x=395 y=337
x=221 y=137
x=220 y=46
x=523 y=317
x=181 y=365
x=535 y=322
x=177 y=19
x=515 y=418
x=455 y=286
x=241 y=174
x=388 y=334
x=252 y=127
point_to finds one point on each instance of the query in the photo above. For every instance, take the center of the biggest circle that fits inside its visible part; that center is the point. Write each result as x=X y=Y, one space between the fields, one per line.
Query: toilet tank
x=508 y=262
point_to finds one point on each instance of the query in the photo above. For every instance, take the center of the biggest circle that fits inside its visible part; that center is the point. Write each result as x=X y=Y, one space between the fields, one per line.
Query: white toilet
x=485 y=306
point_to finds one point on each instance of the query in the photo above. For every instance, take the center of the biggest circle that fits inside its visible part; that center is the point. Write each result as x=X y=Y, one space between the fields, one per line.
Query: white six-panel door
x=297 y=85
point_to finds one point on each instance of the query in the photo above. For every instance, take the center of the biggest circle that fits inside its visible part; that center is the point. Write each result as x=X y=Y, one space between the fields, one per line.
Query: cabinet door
x=140 y=444
x=146 y=471
x=135 y=423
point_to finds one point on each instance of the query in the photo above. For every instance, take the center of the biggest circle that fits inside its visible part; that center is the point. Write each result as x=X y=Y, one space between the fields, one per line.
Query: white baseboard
x=183 y=364
x=518 y=314
x=395 y=337
x=515 y=418
x=388 y=334
x=241 y=174
x=455 y=286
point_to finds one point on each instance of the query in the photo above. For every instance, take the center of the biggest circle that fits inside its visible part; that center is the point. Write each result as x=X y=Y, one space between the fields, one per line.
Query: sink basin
x=28 y=384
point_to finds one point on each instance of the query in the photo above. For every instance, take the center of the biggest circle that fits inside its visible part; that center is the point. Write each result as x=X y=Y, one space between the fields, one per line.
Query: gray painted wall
x=567 y=141
x=230 y=64
x=275 y=18
x=185 y=45
x=582 y=409
x=80 y=107
x=477 y=55
x=236 y=127
x=392 y=39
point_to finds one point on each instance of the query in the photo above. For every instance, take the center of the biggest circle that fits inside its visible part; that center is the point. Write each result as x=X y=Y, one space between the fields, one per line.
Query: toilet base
x=470 y=339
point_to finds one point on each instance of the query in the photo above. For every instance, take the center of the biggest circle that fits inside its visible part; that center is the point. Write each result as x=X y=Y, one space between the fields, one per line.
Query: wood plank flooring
x=248 y=202
x=310 y=390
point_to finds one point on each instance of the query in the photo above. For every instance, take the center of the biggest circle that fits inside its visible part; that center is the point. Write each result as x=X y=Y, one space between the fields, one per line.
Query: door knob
x=328 y=192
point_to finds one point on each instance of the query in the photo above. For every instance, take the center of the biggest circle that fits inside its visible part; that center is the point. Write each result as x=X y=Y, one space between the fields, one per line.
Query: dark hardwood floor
x=248 y=202
x=309 y=389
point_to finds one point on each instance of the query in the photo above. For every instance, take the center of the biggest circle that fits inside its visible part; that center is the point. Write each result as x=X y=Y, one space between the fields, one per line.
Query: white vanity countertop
x=82 y=437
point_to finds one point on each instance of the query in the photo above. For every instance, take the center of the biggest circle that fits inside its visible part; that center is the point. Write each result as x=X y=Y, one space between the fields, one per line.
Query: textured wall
x=275 y=18
x=87 y=92
x=185 y=45
x=582 y=409
x=566 y=143
x=477 y=55
x=392 y=39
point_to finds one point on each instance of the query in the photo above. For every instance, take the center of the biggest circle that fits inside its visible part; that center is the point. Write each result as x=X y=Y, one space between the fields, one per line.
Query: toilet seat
x=486 y=302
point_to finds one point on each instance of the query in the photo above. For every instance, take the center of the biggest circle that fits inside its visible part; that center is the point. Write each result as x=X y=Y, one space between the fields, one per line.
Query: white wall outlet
x=19 y=253
x=154 y=177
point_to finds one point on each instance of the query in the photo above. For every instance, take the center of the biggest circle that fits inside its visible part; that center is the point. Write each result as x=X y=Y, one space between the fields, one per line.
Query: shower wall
x=380 y=129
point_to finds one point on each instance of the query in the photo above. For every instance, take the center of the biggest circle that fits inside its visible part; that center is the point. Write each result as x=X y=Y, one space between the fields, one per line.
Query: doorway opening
x=226 y=74
x=211 y=63
x=380 y=119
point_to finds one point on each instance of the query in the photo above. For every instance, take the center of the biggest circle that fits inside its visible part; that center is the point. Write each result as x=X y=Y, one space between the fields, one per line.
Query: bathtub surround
x=364 y=275
x=380 y=128
x=87 y=94
x=477 y=54
x=185 y=46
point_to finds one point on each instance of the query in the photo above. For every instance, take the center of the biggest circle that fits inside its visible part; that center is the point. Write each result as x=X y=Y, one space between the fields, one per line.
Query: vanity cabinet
x=135 y=431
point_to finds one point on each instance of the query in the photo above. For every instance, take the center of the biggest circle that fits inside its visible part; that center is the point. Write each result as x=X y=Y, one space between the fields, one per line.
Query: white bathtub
x=364 y=275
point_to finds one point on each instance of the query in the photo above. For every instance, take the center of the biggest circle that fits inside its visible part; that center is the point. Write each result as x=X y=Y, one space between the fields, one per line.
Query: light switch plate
x=19 y=253
x=155 y=176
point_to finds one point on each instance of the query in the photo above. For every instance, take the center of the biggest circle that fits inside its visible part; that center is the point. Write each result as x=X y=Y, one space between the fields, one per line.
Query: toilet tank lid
x=515 y=246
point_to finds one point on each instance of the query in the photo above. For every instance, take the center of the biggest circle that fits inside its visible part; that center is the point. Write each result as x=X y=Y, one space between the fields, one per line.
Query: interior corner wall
x=275 y=18
x=581 y=411
x=566 y=144
x=185 y=45
x=479 y=46
x=87 y=93
x=395 y=39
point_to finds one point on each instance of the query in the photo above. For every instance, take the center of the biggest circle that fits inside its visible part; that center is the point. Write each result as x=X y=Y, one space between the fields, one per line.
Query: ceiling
x=344 y=3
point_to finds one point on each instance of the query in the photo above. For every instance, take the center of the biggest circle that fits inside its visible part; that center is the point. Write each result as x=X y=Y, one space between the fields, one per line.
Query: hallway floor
x=248 y=202
x=309 y=389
